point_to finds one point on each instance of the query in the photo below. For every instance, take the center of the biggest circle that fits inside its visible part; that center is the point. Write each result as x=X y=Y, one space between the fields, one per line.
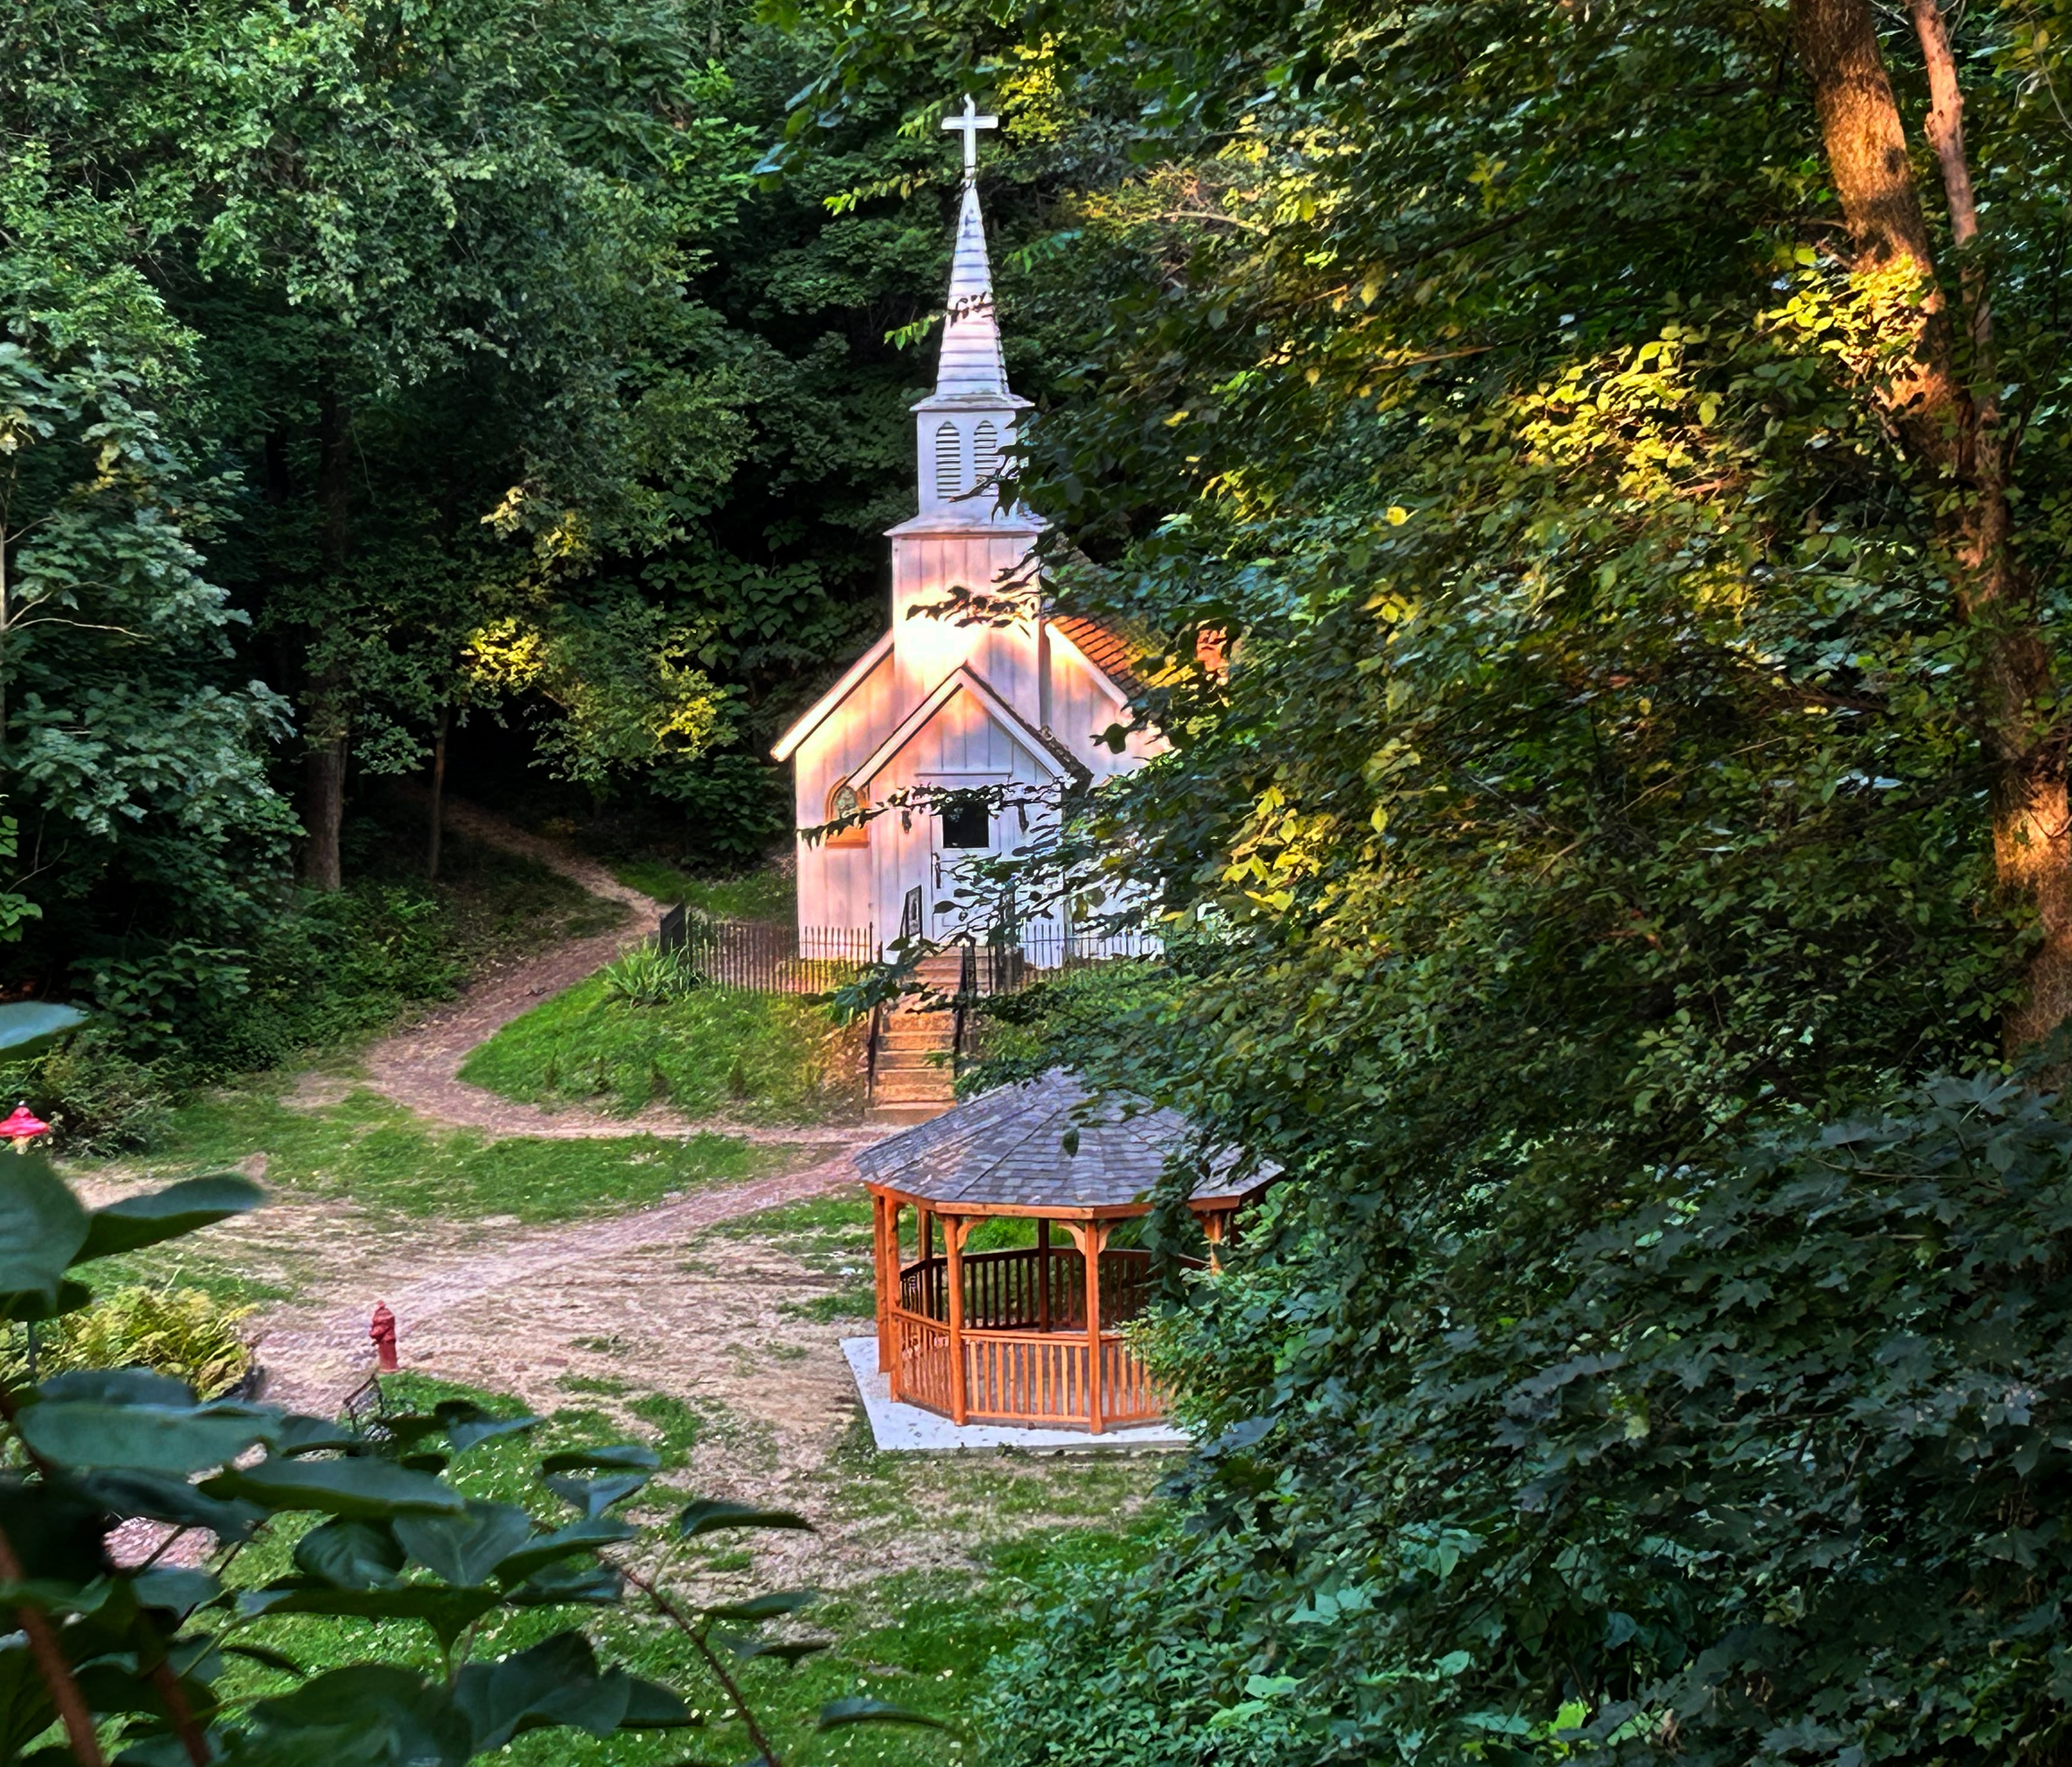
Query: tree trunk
x=1950 y=435
x=323 y=814
x=327 y=722
x=439 y=795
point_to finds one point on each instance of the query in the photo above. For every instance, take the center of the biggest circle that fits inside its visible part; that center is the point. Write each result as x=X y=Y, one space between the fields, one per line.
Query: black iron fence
x=769 y=958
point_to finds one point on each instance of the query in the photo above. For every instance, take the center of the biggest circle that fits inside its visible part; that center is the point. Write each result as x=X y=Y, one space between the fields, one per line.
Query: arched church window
x=949 y=462
x=844 y=801
x=985 y=453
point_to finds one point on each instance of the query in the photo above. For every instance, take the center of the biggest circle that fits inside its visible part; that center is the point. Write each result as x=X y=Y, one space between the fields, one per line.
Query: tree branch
x=670 y=1612
x=1944 y=124
x=73 y=1712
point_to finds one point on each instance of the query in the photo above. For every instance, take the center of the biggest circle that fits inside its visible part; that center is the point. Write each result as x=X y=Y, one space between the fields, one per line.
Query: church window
x=949 y=462
x=985 y=453
x=966 y=825
x=844 y=801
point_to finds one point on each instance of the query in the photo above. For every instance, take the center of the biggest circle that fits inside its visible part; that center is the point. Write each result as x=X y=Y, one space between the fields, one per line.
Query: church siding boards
x=1011 y=707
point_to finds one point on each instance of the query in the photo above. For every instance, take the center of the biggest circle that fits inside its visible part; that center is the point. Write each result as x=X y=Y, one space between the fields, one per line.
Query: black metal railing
x=762 y=957
x=765 y=959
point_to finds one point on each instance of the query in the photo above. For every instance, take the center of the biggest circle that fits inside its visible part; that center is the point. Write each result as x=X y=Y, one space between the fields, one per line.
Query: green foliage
x=739 y=807
x=1592 y=786
x=650 y=975
x=326 y=969
x=1778 y=1447
x=396 y=1546
x=768 y=1058
x=1069 y=1018
x=133 y=744
x=97 y=1098
x=172 y=1330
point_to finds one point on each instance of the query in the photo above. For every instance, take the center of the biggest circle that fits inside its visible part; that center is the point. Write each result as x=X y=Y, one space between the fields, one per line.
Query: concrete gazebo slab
x=898 y=1429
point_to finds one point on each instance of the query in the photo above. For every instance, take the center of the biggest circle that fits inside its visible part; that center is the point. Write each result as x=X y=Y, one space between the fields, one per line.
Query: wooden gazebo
x=1029 y=1335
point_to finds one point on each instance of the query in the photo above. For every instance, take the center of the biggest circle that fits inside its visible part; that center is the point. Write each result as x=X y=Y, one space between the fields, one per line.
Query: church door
x=964 y=831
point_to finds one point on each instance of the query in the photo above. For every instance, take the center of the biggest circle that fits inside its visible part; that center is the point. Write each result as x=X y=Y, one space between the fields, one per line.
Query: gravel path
x=317 y=1353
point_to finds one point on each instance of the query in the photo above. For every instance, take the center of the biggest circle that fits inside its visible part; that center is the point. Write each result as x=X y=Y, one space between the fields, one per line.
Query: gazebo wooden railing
x=1026 y=1348
x=1029 y=1289
x=1033 y=1334
x=1020 y=1333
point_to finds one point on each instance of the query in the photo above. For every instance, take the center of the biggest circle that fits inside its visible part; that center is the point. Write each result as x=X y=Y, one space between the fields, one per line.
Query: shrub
x=649 y=975
x=98 y=1098
x=1770 y=1466
x=161 y=1661
x=172 y=1330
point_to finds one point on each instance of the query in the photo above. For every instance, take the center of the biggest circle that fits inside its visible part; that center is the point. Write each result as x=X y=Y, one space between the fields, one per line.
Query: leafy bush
x=1772 y=1463
x=97 y=1097
x=1058 y=1020
x=147 y=1654
x=344 y=964
x=739 y=805
x=184 y=1332
x=650 y=976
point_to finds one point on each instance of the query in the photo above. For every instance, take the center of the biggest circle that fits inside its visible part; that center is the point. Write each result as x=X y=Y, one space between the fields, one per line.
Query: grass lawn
x=758 y=895
x=372 y=1153
x=919 y=1639
x=761 y=1056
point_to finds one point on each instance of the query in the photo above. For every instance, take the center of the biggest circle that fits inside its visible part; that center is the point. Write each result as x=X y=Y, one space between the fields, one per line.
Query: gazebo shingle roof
x=1008 y=1148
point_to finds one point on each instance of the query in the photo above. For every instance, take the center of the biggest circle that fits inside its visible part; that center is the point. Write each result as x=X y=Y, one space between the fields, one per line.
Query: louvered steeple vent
x=969 y=421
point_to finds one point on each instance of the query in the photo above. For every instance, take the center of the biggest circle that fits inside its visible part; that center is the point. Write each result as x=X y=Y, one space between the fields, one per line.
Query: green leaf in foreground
x=837 y=1713
x=136 y=1221
x=42 y=1226
x=361 y=1488
x=634 y=1456
x=712 y=1515
x=464 y=1550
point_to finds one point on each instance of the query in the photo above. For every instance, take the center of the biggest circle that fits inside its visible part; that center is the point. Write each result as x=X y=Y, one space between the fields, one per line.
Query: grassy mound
x=764 y=1057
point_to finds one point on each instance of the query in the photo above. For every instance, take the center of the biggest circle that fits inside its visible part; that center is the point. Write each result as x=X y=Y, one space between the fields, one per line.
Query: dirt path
x=419 y=1066
x=678 y=1322
x=317 y=1353
x=440 y=1282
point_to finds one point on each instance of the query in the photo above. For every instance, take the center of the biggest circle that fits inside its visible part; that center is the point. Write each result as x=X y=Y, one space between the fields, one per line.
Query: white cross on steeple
x=968 y=126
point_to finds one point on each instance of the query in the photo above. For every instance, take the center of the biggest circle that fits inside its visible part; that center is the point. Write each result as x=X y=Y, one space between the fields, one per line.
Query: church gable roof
x=964 y=680
x=1104 y=647
x=824 y=707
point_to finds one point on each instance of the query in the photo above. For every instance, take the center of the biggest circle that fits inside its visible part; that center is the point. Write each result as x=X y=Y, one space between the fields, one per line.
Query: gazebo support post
x=1091 y=1238
x=884 y=1243
x=1043 y=1274
x=1215 y=1226
x=954 y=1229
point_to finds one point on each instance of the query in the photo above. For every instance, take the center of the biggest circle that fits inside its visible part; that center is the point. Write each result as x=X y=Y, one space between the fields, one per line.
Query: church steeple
x=968 y=422
x=972 y=361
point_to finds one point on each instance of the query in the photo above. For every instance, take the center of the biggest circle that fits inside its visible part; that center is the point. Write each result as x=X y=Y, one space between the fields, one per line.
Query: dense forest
x=392 y=382
x=1614 y=849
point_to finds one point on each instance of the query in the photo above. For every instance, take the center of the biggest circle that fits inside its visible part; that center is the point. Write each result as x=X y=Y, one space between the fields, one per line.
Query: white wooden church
x=936 y=703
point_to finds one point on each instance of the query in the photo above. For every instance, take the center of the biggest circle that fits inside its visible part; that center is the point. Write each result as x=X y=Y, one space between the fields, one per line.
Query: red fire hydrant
x=383 y=1331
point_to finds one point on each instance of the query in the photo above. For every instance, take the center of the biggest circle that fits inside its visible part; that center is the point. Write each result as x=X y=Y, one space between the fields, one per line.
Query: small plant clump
x=652 y=976
x=172 y=1329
